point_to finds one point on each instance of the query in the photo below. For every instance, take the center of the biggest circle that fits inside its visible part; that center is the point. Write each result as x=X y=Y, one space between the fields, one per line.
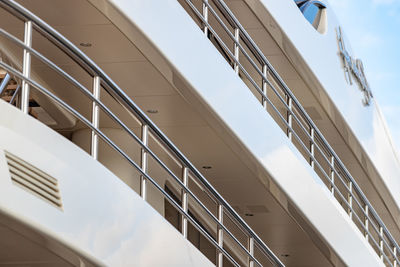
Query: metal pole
x=185 y=202
x=289 y=117
x=236 y=50
x=394 y=256
x=26 y=68
x=4 y=83
x=205 y=15
x=264 y=85
x=381 y=241
x=95 y=117
x=333 y=175
x=251 y=251
x=220 y=236
x=350 y=200
x=312 y=148
x=366 y=222
x=144 y=161
x=15 y=94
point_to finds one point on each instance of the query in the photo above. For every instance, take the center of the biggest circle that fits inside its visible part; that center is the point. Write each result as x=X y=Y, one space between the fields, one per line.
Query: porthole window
x=315 y=12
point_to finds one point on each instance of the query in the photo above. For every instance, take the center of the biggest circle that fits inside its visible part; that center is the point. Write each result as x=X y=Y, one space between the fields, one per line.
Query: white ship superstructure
x=190 y=133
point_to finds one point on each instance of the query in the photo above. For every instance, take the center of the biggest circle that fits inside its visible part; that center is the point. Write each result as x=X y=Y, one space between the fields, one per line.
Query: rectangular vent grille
x=34 y=180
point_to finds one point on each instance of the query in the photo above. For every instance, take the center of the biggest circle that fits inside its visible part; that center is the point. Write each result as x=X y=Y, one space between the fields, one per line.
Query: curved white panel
x=101 y=217
x=320 y=53
x=173 y=33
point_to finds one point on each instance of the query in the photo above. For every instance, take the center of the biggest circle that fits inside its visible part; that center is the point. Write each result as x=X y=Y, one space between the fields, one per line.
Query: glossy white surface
x=102 y=218
x=226 y=97
x=366 y=123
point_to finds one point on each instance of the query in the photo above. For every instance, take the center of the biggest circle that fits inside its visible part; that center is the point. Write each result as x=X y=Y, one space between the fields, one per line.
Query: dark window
x=311 y=10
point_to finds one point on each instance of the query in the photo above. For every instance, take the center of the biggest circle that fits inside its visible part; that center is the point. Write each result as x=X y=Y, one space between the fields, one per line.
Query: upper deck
x=165 y=79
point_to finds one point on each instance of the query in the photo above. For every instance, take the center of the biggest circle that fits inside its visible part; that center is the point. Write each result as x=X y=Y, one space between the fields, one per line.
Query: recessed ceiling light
x=207 y=167
x=152 y=111
x=249 y=214
x=85 y=44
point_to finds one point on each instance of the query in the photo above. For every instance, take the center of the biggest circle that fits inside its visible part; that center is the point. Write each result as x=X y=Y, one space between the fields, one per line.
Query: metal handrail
x=241 y=34
x=115 y=147
x=112 y=88
x=104 y=108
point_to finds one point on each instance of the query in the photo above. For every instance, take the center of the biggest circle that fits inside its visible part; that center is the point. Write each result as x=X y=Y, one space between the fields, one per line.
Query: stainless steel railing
x=255 y=251
x=224 y=30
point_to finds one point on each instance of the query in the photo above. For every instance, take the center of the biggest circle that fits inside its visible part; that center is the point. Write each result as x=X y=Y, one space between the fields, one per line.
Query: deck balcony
x=203 y=124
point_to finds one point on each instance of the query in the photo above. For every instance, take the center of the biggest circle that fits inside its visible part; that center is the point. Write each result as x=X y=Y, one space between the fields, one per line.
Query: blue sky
x=373 y=28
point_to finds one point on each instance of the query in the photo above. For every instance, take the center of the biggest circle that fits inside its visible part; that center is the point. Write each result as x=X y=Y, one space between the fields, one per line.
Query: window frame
x=304 y=5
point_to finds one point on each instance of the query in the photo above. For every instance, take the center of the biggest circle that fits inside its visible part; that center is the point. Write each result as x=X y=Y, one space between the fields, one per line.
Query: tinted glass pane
x=300 y=3
x=311 y=13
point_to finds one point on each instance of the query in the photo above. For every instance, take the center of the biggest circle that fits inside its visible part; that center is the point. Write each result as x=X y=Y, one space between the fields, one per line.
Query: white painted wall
x=102 y=218
x=320 y=53
x=226 y=97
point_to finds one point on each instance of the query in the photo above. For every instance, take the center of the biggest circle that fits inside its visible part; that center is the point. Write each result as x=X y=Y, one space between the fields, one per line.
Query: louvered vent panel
x=34 y=180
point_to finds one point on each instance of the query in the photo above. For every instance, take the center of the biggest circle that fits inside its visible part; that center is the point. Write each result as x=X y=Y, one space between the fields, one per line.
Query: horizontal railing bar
x=296 y=118
x=115 y=147
x=241 y=48
x=247 y=74
x=256 y=68
x=344 y=199
x=253 y=45
x=77 y=54
x=305 y=115
x=101 y=105
x=289 y=127
x=115 y=91
x=262 y=93
x=235 y=23
x=258 y=89
x=139 y=141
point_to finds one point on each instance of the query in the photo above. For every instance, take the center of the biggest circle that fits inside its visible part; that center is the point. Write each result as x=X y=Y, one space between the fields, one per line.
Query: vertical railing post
x=95 y=118
x=332 y=175
x=144 y=162
x=251 y=251
x=26 y=67
x=236 y=50
x=394 y=256
x=381 y=241
x=220 y=236
x=350 y=200
x=205 y=16
x=264 y=85
x=312 y=133
x=366 y=222
x=184 y=202
x=289 y=116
